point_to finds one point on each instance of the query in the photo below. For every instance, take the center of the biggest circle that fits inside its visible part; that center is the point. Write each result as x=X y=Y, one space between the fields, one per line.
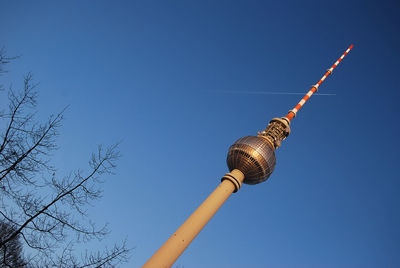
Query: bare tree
x=47 y=213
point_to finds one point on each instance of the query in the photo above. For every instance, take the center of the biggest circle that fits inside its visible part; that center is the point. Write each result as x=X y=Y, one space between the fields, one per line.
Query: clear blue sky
x=154 y=74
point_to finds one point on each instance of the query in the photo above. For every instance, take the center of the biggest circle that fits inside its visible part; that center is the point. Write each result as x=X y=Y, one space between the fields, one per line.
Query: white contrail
x=271 y=93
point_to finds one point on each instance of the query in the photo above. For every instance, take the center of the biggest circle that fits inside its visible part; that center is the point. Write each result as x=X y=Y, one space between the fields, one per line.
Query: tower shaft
x=314 y=88
x=169 y=252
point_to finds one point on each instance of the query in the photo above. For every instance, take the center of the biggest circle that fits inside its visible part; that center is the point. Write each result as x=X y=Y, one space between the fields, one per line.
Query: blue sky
x=156 y=75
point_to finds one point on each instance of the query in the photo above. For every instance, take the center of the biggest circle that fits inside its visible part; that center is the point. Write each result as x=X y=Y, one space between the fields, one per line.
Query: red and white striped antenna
x=292 y=113
x=278 y=129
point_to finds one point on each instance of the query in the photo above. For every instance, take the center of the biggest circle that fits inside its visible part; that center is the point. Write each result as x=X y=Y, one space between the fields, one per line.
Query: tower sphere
x=254 y=156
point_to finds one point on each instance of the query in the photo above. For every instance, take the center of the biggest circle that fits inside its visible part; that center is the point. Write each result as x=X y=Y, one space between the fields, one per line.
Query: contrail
x=271 y=93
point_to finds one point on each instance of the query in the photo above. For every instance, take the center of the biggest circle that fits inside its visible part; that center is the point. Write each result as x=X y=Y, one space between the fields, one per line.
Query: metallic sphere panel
x=254 y=156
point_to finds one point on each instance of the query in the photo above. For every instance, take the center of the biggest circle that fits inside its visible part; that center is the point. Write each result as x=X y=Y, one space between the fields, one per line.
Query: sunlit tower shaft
x=251 y=160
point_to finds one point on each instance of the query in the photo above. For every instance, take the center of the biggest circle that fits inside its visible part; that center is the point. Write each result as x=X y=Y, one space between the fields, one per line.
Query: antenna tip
x=351 y=46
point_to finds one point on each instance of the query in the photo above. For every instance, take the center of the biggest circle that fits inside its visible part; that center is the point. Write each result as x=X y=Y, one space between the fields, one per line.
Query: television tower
x=250 y=160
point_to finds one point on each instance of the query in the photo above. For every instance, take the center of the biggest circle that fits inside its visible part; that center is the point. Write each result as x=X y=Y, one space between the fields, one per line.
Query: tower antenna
x=314 y=88
x=250 y=160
